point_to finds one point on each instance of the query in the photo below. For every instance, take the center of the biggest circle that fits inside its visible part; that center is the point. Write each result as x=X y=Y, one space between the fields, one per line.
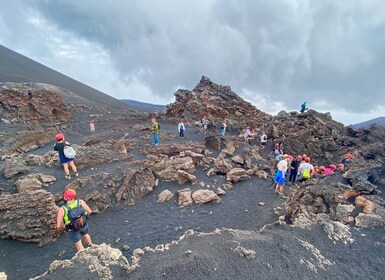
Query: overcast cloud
x=275 y=54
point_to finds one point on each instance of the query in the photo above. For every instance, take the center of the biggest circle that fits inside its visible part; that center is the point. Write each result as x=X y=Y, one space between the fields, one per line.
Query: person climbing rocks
x=59 y=147
x=306 y=170
x=303 y=107
x=280 y=177
x=318 y=173
x=223 y=127
x=72 y=218
x=276 y=152
x=92 y=126
x=295 y=163
x=155 y=131
x=263 y=139
x=181 y=129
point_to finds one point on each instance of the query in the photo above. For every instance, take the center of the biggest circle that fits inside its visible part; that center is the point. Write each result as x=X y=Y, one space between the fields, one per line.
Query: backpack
x=306 y=174
x=69 y=152
x=76 y=217
x=158 y=127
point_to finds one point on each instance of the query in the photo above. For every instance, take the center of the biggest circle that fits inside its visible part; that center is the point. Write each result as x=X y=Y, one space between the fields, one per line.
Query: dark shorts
x=263 y=143
x=74 y=236
x=63 y=159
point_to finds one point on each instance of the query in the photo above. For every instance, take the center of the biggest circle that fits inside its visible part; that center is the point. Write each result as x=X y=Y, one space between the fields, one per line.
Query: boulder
x=184 y=177
x=28 y=183
x=238 y=174
x=204 y=196
x=165 y=195
x=14 y=166
x=369 y=220
x=185 y=197
x=222 y=165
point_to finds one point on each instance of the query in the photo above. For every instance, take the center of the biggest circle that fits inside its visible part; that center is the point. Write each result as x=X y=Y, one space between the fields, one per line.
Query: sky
x=275 y=54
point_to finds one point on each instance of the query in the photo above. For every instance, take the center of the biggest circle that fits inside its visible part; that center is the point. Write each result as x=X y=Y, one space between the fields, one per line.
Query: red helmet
x=322 y=168
x=59 y=136
x=332 y=166
x=307 y=159
x=276 y=144
x=349 y=155
x=69 y=194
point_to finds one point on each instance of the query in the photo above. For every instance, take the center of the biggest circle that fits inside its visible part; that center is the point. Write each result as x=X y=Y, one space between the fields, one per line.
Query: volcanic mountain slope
x=17 y=68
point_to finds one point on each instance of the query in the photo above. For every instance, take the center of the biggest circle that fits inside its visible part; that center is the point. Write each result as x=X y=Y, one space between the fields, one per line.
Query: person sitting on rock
x=277 y=152
x=340 y=167
x=330 y=170
x=280 y=177
x=319 y=172
x=306 y=170
x=72 y=218
x=346 y=158
x=59 y=147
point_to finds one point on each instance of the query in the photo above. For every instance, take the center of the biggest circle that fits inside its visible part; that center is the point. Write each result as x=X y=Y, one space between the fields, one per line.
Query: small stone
x=202 y=184
x=126 y=248
x=261 y=203
x=117 y=240
x=188 y=252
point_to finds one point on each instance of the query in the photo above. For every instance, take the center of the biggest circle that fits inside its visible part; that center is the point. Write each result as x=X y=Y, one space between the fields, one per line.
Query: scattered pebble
x=188 y=252
x=126 y=248
x=117 y=240
x=262 y=203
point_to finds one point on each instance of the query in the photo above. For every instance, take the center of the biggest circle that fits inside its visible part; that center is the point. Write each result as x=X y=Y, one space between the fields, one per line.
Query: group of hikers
x=72 y=217
x=301 y=168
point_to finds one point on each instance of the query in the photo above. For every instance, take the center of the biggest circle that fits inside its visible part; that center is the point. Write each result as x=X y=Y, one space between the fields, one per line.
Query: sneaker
x=68 y=177
x=76 y=174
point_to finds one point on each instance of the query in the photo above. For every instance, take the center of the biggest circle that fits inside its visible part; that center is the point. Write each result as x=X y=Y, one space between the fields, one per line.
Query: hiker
x=280 y=178
x=72 y=218
x=246 y=135
x=59 y=147
x=277 y=152
x=346 y=158
x=318 y=173
x=181 y=129
x=263 y=139
x=303 y=107
x=330 y=170
x=340 y=167
x=204 y=122
x=92 y=126
x=306 y=170
x=223 y=128
x=294 y=169
x=155 y=131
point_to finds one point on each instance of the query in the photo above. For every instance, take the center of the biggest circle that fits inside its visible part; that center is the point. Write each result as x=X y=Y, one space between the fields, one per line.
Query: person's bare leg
x=79 y=245
x=281 y=188
x=73 y=166
x=66 y=170
x=87 y=239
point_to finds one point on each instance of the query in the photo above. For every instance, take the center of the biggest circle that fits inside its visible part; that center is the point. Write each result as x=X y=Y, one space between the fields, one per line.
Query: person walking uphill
x=155 y=131
x=280 y=176
x=65 y=160
x=73 y=218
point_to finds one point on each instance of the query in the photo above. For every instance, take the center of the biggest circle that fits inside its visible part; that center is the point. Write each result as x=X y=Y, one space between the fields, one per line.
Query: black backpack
x=76 y=217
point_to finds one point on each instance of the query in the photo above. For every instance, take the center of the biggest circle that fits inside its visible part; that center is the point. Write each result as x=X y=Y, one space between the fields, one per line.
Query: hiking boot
x=68 y=177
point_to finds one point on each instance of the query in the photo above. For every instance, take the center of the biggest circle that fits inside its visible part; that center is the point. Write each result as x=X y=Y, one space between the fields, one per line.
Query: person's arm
x=85 y=206
x=59 y=219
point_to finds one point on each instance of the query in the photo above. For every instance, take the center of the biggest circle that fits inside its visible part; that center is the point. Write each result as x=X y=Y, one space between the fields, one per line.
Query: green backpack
x=306 y=173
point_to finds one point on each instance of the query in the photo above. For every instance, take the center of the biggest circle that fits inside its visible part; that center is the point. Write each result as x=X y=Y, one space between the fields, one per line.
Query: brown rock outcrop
x=239 y=174
x=165 y=195
x=185 y=197
x=29 y=216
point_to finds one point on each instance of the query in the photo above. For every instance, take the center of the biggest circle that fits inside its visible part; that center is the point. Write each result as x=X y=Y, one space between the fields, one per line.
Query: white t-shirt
x=263 y=138
x=282 y=165
x=305 y=165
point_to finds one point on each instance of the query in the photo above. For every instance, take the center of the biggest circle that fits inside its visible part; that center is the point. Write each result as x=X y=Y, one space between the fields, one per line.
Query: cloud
x=329 y=53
